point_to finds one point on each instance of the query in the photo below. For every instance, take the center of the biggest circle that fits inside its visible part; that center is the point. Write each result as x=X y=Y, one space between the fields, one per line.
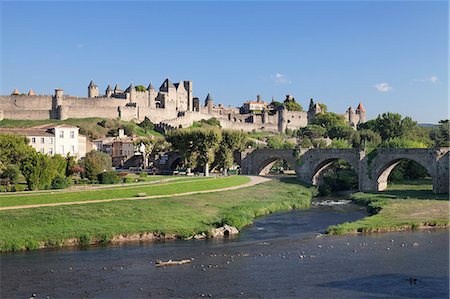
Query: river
x=280 y=255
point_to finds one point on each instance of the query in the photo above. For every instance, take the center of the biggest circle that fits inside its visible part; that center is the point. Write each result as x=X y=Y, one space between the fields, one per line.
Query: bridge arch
x=260 y=161
x=315 y=163
x=387 y=159
x=324 y=166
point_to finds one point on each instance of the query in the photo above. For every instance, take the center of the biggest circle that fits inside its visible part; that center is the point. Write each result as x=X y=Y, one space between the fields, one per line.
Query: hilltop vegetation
x=94 y=128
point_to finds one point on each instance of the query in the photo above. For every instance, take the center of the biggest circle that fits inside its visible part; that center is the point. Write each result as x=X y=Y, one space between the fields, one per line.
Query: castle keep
x=172 y=106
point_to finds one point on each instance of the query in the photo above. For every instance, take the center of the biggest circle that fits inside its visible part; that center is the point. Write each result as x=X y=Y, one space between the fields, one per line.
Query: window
x=62 y=150
x=72 y=134
x=61 y=134
x=50 y=151
x=42 y=151
x=50 y=140
x=72 y=149
x=33 y=139
x=42 y=140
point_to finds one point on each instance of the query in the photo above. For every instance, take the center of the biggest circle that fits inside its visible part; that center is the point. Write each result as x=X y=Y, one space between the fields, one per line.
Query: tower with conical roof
x=209 y=103
x=361 y=112
x=131 y=92
x=108 y=91
x=351 y=116
x=92 y=90
x=152 y=94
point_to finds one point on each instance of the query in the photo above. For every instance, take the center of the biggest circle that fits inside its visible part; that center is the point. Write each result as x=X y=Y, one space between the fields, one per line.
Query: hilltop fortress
x=173 y=106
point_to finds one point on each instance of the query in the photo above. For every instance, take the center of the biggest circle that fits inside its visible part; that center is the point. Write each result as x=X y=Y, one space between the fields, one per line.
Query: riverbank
x=157 y=218
x=401 y=207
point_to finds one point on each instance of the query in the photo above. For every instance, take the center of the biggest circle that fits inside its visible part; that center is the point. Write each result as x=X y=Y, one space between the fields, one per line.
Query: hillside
x=94 y=128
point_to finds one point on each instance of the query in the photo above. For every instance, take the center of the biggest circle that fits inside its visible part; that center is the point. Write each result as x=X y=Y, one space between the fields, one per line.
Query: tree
x=366 y=138
x=342 y=132
x=324 y=107
x=340 y=143
x=390 y=125
x=278 y=142
x=440 y=134
x=140 y=88
x=276 y=104
x=11 y=174
x=147 y=125
x=292 y=105
x=39 y=171
x=329 y=120
x=182 y=142
x=231 y=141
x=312 y=132
x=206 y=143
x=95 y=163
x=400 y=142
x=14 y=149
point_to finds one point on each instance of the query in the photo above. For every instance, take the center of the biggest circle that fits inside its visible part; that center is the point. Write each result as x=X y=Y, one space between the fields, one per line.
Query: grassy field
x=150 y=180
x=409 y=205
x=124 y=192
x=183 y=216
x=88 y=126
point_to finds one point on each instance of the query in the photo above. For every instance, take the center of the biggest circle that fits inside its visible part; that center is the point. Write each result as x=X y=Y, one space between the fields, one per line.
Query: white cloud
x=383 y=87
x=433 y=79
x=280 y=79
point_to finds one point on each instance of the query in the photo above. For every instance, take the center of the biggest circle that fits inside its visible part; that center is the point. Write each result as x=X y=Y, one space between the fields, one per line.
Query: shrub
x=11 y=174
x=143 y=174
x=109 y=177
x=128 y=180
x=61 y=182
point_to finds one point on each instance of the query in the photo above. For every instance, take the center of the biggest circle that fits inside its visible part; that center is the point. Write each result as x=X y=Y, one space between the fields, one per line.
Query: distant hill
x=427 y=125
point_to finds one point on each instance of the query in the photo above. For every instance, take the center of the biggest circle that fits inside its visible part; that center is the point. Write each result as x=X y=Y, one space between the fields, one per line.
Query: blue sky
x=391 y=55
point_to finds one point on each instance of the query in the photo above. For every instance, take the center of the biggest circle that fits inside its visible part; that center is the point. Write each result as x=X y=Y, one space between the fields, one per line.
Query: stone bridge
x=372 y=169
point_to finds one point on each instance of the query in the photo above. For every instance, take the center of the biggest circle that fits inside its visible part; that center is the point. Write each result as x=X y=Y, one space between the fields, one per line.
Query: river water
x=280 y=256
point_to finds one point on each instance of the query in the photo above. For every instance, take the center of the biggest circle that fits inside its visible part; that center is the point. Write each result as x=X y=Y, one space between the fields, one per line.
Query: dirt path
x=254 y=180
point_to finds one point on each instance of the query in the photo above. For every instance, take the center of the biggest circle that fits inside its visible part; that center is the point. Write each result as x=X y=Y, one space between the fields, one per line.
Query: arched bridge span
x=372 y=170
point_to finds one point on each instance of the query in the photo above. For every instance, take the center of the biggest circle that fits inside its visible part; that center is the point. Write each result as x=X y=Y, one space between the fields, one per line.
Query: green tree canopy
x=95 y=163
x=342 y=131
x=14 y=149
x=140 y=88
x=390 y=125
x=366 y=138
x=278 y=142
x=329 y=120
x=340 y=143
x=292 y=105
x=312 y=132
x=147 y=125
x=399 y=142
x=231 y=141
x=440 y=135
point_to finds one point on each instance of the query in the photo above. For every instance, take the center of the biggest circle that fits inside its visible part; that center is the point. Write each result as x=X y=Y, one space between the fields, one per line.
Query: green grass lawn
x=402 y=206
x=183 y=216
x=125 y=192
x=85 y=187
